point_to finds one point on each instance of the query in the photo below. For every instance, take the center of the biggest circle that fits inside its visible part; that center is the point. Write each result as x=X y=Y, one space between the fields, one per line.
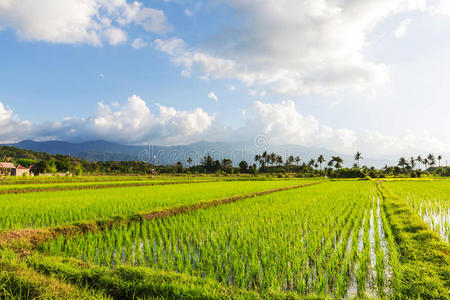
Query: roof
x=7 y=165
x=22 y=168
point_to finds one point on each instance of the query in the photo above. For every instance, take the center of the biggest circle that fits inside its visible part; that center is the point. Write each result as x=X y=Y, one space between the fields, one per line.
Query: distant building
x=20 y=171
x=9 y=169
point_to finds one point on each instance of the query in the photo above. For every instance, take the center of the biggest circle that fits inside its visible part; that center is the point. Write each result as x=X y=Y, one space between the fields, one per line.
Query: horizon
x=329 y=75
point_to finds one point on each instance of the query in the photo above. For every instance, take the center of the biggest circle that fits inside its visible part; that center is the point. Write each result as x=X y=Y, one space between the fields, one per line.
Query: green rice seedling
x=429 y=199
x=47 y=209
x=303 y=241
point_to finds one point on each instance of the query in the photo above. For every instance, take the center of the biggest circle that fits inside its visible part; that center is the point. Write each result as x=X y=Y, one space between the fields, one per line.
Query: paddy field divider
x=423 y=271
x=25 y=240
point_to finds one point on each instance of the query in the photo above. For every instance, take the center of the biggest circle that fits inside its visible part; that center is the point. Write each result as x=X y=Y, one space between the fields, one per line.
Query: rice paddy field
x=430 y=200
x=217 y=239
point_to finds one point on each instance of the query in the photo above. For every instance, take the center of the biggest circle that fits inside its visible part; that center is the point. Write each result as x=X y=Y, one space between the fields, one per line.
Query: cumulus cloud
x=213 y=96
x=402 y=28
x=131 y=123
x=138 y=43
x=72 y=21
x=281 y=123
x=296 y=46
x=11 y=127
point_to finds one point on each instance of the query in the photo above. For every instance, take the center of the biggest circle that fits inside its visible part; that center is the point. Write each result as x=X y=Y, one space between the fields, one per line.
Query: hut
x=9 y=169
x=20 y=171
x=6 y=168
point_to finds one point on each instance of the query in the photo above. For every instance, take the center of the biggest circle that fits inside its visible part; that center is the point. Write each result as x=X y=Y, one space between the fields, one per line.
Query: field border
x=424 y=258
x=23 y=241
x=97 y=186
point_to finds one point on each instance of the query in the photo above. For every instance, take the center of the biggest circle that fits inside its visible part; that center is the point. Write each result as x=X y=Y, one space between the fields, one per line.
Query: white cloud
x=130 y=123
x=153 y=20
x=188 y=12
x=296 y=46
x=11 y=127
x=402 y=28
x=281 y=123
x=79 y=21
x=116 y=36
x=213 y=96
x=101 y=75
x=231 y=87
x=138 y=43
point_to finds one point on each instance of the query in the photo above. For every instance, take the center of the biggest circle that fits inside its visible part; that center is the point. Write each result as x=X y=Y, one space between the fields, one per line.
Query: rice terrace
x=220 y=237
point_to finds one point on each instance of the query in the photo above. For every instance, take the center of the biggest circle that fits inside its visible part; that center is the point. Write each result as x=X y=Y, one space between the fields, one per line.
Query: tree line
x=265 y=162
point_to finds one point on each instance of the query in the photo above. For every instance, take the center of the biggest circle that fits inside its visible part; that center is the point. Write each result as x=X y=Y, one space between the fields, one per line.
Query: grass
x=430 y=200
x=338 y=239
x=46 y=209
x=424 y=259
x=19 y=281
x=279 y=242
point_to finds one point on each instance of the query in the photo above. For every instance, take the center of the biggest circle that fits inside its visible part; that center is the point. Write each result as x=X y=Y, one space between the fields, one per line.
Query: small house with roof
x=9 y=169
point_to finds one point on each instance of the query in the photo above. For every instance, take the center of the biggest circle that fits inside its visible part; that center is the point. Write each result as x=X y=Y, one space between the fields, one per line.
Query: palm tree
x=257 y=158
x=431 y=160
x=297 y=160
x=279 y=160
x=425 y=162
x=402 y=162
x=330 y=163
x=311 y=163
x=320 y=160
x=412 y=162
x=337 y=161
x=272 y=158
x=419 y=159
x=358 y=157
x=289 y=162
x=265 y=157
x=439 y=159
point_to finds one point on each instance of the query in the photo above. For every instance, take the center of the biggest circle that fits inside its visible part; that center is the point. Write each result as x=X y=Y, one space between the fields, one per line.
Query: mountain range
x=164 y=155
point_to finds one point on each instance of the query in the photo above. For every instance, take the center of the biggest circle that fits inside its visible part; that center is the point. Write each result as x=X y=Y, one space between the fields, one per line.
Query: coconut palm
x=337 y=161
x=412 y=162
x=320 y=160
x=431 y=160
x=402 y=163
x=279 y=160
x=358 y=157
x=439 y=159
x=419 y=160
x=272 y=158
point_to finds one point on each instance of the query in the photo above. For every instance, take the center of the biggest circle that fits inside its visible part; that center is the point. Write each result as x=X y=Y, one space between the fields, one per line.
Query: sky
x=347 y=75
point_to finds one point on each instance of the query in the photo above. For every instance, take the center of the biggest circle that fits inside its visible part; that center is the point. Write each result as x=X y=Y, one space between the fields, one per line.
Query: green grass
x=282 y=242
x=430 y=200
x=424 y=259
x=337 y=239
x=19 y=281
x=45 y=209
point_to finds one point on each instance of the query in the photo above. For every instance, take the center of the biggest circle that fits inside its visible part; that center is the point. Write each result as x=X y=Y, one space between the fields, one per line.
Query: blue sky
x=347 y=75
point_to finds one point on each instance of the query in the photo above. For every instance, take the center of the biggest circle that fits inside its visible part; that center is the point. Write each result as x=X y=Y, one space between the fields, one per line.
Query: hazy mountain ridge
x=108 y=151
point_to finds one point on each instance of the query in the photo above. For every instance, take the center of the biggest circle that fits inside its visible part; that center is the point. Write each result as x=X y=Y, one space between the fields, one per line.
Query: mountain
x=163 y=155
